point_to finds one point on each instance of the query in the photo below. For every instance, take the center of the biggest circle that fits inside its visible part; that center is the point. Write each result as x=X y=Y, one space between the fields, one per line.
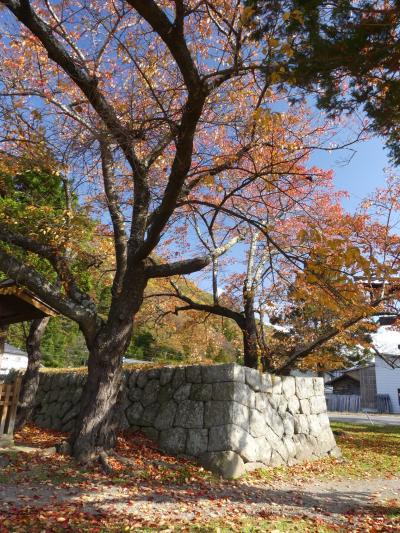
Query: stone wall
x=230 y=418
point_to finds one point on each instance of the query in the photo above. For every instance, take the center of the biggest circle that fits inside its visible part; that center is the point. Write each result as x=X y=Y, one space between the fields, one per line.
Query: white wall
x=388 y=382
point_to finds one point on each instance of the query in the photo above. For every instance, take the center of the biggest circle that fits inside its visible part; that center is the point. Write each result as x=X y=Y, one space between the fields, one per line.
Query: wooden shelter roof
x=18 y=304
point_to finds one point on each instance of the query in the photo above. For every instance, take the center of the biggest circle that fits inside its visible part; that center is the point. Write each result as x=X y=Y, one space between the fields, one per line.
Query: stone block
x=274 y=421
x=225 y=372
x=293 y=405
x=326 y=441
x=71 y=413
x=197 y=442
x=179 y=377
x=288 y=425
x=201 y=392
x=219 y=438
x=262 y=401
x=218 y=413
x=149 y=414
x=274 y=400
x=319 y=386
x=166 y=393
x=67 y=427
x=190 y=414
x=141 y=380
x=253 y=379
x=232 y=437
x=193 y=374
x=132 y=377
x=227 y=464
x=315 y=427
x=183 y=392
x=276 y=459
x=153 y=373
x=166 y=374
x=301 y=424
x=264 y=450
x=266 y=383
x=290 y=446
x=52 y=395
x=173 y=440
x=288 y=386
x=44 y=382
x=123 y=422
x=324 y=420
x=257 y=423
x=304 y=388
x=76 y=395
x=282 y=406
x=166 y=415
x=134 y=413
x=64 y=408
x=151 y=433
x=135 y=394
x=150 y=392
x=317 y=405
x=305 y=407
x=238 y=392
x=276 y=384
x=303 y=449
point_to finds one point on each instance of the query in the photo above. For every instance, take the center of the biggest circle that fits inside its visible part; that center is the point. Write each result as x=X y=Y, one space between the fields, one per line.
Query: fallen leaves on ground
x=151 y=491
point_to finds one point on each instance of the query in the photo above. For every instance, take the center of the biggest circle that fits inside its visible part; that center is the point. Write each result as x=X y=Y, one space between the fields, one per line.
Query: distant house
x=13 y=358
x=375 y=387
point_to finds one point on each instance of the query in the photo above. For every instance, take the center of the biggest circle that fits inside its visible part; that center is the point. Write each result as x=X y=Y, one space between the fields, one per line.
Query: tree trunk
x=30 y=381
x=95 y=428
x=250 y=342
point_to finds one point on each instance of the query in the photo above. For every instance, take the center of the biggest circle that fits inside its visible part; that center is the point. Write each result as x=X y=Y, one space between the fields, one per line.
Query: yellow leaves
x=296 y=14
x=287 y=50
x=208 y=180
x=36 y=114
x=274 y=43
x=275 y=77
x=247 y=15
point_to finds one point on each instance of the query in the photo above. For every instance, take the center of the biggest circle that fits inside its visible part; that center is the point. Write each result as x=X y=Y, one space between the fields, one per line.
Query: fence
x=351 y=403
x=343 y=402
x=384 y=403
x=9 y=394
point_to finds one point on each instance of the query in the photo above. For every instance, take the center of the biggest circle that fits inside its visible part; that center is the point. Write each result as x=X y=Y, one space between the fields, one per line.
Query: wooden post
x=9 y=395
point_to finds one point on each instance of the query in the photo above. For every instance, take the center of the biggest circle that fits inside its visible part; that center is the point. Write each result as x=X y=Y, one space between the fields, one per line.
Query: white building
x=13 y=358
x=387 y=342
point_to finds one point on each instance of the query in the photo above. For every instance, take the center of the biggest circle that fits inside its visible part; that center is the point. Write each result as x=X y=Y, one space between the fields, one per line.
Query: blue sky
x=362 y=174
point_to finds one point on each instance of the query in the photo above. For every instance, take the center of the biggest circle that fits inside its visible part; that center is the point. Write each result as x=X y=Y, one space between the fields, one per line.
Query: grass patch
x=68 y=521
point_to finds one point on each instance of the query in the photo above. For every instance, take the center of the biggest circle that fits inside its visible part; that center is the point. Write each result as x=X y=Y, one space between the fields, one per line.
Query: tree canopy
x=344 y=52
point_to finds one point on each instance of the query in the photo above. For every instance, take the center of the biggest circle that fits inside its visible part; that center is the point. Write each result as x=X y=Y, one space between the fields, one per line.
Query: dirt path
x=188 y=502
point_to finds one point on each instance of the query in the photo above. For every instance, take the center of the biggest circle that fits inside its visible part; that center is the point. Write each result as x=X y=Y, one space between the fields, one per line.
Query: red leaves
x=148 y=489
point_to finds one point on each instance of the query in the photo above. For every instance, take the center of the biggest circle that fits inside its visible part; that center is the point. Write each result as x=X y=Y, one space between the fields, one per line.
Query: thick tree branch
x=117 y=218
x=188 y=266
x=215 y=309
x=39 y=285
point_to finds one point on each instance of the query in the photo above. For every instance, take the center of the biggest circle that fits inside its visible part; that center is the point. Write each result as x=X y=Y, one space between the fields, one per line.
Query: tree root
x=123 y=460
x=103 y=460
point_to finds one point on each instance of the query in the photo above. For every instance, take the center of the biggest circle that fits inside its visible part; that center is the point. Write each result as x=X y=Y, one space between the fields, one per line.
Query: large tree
x=344 y=52
x=146 y=105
